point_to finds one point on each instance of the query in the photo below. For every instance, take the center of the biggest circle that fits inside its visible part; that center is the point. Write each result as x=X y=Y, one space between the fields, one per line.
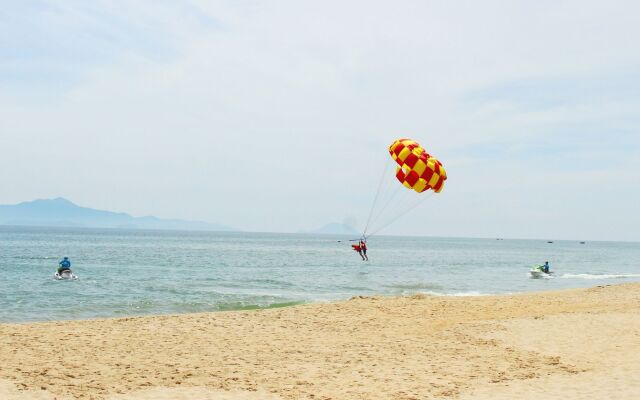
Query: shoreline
x=378 y=347
x=290 y=304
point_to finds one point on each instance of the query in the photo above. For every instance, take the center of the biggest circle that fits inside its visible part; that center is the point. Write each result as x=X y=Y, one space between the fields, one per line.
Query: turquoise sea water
x=127 y=272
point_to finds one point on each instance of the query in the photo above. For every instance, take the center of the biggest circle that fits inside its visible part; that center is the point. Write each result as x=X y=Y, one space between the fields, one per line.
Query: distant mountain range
x=63 y=213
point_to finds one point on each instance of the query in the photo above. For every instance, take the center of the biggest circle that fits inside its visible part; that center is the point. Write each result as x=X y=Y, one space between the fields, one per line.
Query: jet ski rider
x=65 y=265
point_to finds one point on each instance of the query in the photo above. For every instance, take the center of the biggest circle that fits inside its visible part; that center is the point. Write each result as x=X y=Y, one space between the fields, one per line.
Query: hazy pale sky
x=277 y=115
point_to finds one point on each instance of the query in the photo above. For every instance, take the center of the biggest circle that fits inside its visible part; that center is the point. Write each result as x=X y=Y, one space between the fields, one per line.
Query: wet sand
x=576 y=344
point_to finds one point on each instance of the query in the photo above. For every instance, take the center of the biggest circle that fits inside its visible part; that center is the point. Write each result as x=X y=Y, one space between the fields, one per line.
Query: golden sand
x=573 y=344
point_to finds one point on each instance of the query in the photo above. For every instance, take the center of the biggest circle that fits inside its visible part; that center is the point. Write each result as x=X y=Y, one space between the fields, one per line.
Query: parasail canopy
x=417 y=169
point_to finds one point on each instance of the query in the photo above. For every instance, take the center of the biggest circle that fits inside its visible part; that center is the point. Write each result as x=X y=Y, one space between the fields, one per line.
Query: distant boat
x=549 y=241
x=582 y=242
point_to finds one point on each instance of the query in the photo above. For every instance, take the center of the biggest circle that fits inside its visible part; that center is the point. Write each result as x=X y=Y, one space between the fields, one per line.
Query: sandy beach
x=571 y=344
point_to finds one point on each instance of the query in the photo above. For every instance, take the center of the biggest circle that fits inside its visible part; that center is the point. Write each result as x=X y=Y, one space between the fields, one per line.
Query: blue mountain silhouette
x=61 y=212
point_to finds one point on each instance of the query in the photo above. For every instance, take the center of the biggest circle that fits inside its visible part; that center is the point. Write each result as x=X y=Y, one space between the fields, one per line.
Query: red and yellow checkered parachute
x=416 y=169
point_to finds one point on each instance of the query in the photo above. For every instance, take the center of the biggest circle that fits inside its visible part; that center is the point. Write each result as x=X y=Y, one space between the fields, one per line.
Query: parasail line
x=375 y=199
x=403 y=213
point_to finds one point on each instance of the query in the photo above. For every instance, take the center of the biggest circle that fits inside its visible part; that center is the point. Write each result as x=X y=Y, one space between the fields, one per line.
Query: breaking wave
x=600 y=276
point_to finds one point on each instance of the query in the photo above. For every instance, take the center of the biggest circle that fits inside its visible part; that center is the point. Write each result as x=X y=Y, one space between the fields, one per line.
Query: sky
x=276 y=116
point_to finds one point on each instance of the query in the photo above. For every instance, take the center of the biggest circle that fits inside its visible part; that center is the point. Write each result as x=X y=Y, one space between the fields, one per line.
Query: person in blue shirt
x=545 y=267
x=65 y=264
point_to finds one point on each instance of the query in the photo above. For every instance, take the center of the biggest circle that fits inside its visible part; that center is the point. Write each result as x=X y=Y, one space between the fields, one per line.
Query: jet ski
x=538 y=272
x=67 y=274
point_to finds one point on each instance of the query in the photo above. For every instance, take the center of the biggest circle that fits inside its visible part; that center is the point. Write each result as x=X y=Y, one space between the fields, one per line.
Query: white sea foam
x=600 y=276
x=415 y=286
x=457 y=294
x=469 y=294
x=541 y=276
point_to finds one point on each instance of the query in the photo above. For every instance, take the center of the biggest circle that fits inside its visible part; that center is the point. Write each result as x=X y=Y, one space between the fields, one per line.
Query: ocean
x=129 y=272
